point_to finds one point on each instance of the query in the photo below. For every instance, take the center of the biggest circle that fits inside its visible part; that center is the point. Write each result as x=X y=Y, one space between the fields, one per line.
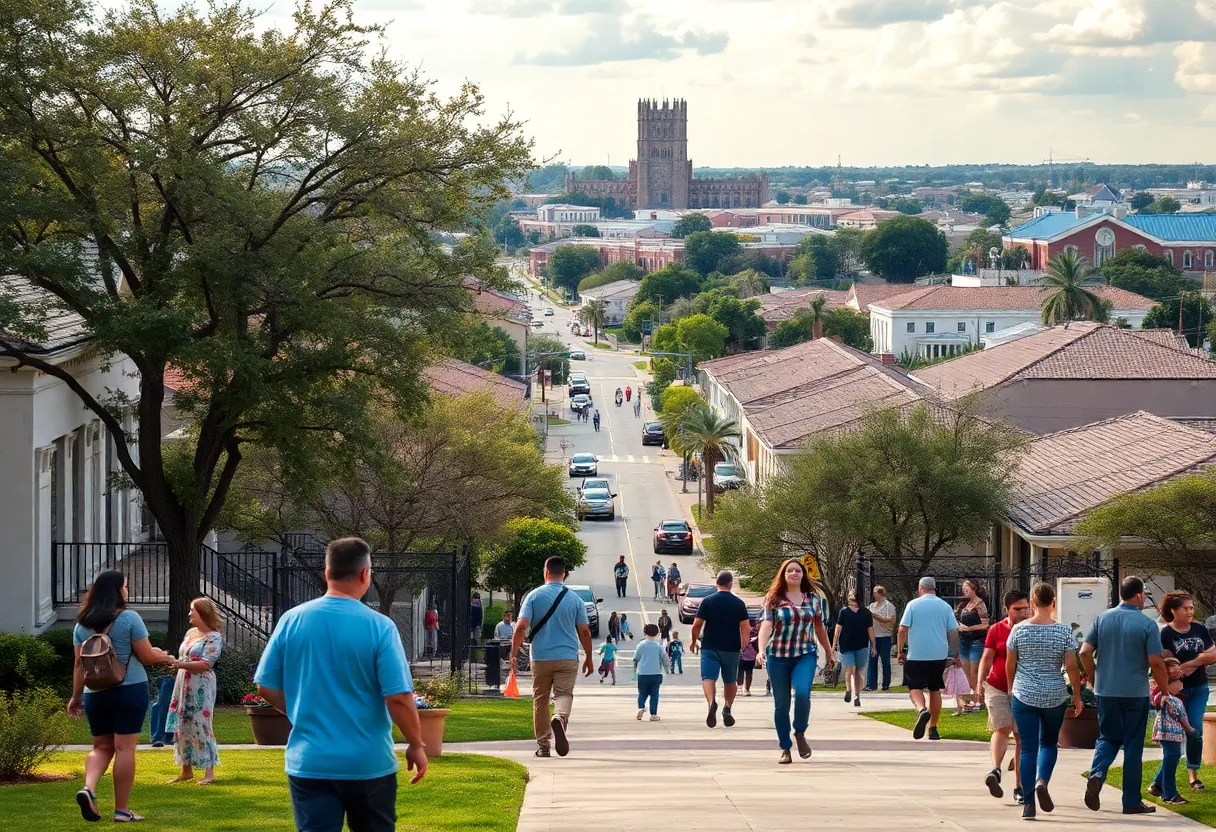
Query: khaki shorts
x=1000 y=712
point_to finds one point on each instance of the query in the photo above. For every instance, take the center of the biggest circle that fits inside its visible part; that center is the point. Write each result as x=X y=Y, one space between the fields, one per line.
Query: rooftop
x=864 y=294
x=615 y=289
x=1176 y=227
x=1065 y=475
x=1021 y=298
x=1081 y=350
x=59 y=327
x=451 y=377
x=780 y=306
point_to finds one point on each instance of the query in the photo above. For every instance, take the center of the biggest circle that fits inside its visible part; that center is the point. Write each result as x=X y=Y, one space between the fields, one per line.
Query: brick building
x=661 y=175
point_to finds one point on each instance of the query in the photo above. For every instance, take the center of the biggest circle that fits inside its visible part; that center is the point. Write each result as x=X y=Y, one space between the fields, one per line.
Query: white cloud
x=1119 y=23
x=1196 y=67
x=873 y=14
x=539 y=8
x=1208 y=116
x=610 y=42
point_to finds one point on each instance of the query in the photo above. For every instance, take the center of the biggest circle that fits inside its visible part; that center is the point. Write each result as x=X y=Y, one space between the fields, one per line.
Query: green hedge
x=26 y=662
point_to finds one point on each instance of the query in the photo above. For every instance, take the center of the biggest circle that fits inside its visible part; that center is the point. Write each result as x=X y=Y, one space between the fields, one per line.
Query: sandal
x=88 y=805
x=127 y=816
x=1197 y=786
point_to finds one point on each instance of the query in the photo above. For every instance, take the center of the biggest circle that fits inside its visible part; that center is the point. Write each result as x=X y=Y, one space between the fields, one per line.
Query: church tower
x=664 y=172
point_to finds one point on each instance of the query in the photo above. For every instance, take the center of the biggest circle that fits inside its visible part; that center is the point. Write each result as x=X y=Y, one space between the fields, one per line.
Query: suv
x=596 y=502
x=592 y=603
x=726 y=477
x=673 y=536
x=652 y=433
x=579 y=384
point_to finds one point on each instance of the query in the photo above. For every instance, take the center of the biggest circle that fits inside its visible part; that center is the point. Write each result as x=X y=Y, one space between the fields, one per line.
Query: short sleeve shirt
x=887 y=610
x=608 y=651
x=1123 y=638
x=794 y=626
x=620 y=570
x=1187 y=646
x=928 y=619
x=1041 y=649
x=127 y=629
x=998 y=641
x=722 y=613
x=559 y=638
x=854 y=628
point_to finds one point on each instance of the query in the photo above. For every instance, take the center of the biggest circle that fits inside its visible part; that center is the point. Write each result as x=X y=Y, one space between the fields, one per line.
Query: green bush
x=26 y=662
x=443 y=689
x=234 y=673
x=32 y=725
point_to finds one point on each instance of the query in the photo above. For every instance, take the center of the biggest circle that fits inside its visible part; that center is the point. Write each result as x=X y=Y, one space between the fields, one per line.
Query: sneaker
x=561 y=744
x=654 y=718
x=933 y=735
x=871 y=690
x=1044 y=797
x=993 y=782
x=1142 y=809
x=1154 y=790
x=857 y=702
x=158 y=744
x=922 y=722
x=711 y=719
x=848 y=696
x=727 y=719
x=640 y=713
x=786 y=758
x=1093 y=787
x=543 y=752
x=1018 y=797
x=1176 y=800
x=1028 y=811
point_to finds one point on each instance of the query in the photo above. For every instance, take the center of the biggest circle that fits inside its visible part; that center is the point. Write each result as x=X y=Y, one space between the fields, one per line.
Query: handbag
x=99 y=661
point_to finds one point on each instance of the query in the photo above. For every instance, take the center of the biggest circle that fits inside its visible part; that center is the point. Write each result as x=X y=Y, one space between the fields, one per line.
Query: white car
x=548 y=310
x=578 y=355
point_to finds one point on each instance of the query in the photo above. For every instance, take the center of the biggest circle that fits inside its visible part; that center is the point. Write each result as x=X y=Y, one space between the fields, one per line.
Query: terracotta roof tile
x=999 y=297
x=865 y=294
x=1067 y=474
x=451 y=377
x=781 y=306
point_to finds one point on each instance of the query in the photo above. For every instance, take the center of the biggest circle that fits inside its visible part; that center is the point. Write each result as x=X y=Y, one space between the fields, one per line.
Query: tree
x=1140 y=201
x=749 y=283
x=584 y=230
x=816 y=257
x=783 y=197
x=994 y=209
x=1196 y=315
x=689 y=224
x=704 y=249
x=592 y=314
x=507 y=233
x=568 y=265
x=1177 y=519
x=739 y=317
x=1162 y=205
x=712 y=437
x=850 y=326
x=1067 y=297
x=489 y=347
x=518 y=564
x=904 y=248
x=701 y=336
x=1139 y=271
x=1016 y=258
x=638 y=314
x=546 y=353
x=620 y=270
x=667 y=284
x=848 y=250
x=904 y=205
x=596 y=172
x=675 y=402
x=978 y=246
x=217 y=196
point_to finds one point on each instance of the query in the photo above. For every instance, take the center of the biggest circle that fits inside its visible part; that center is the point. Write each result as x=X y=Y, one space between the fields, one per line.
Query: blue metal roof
x=1046 y=226
x=1176 y=227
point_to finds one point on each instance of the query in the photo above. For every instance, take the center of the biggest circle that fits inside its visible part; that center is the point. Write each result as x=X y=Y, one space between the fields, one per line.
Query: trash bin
x=493 y=664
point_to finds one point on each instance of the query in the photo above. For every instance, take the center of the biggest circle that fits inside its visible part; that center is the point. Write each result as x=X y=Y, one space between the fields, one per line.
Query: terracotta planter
x=270 y=727
x=1080 y=731
x=432 y=729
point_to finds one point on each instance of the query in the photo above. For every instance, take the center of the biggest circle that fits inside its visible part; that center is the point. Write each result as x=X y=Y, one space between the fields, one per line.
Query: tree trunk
x=185 y=571
x=707 y=474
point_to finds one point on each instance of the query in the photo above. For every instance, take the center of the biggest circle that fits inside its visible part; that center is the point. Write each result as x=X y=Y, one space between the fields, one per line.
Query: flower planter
x=1080 y=731
x=270 y=727
x=432 y=729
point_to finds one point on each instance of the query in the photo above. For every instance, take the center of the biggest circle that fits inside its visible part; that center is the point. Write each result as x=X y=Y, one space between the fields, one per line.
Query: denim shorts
x=724 y=663
x=855 y=658
x=971 y=651
x=119 y=710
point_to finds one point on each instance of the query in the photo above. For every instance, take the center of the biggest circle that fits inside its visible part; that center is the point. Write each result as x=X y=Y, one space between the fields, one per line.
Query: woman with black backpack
x=110 y=686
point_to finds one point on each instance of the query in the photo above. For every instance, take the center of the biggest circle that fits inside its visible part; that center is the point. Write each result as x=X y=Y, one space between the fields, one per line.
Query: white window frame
x=1188 y=259
x=930 y=327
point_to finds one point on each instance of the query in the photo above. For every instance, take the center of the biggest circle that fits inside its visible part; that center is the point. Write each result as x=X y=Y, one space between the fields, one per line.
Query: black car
x=652 y=433
x=673 y=536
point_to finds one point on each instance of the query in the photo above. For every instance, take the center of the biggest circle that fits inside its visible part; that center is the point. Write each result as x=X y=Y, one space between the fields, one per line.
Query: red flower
x=206 y=714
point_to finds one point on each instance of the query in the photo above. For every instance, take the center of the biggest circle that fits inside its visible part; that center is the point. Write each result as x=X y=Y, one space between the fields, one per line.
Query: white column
x=43 y=551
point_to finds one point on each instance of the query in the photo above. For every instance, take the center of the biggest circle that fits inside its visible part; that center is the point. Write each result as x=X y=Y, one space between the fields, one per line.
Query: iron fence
x=74 y=566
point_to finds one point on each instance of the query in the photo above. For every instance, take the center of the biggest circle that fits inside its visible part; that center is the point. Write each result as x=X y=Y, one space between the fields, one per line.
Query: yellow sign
x=811 y=564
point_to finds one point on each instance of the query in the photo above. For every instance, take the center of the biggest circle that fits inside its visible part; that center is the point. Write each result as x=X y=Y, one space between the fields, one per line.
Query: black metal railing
x=74 y=566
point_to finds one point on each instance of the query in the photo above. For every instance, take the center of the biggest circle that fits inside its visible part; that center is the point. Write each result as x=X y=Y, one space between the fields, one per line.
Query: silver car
x=596 y=502
x=592 y=603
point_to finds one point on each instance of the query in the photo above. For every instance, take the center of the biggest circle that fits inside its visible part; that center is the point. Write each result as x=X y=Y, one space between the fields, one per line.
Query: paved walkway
x=863 y=776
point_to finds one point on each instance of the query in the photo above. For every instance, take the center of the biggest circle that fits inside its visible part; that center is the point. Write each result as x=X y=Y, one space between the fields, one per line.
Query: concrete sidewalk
x=628 y=775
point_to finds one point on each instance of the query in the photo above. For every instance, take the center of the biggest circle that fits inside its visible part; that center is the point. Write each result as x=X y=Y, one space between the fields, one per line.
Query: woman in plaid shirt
x=792 y=609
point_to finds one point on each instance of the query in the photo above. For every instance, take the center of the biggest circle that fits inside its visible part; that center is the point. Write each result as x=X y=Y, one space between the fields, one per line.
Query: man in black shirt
x=724 y=617
x=855 y=644
x=621 y=572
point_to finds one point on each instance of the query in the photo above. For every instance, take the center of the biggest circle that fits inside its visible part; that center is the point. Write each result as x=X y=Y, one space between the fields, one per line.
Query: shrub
x=32 y=725
x=443 y=689
x=234 y=673
x=26 y=662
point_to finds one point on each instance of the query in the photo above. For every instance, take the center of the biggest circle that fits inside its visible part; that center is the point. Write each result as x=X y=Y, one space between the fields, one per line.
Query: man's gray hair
x=928 y=583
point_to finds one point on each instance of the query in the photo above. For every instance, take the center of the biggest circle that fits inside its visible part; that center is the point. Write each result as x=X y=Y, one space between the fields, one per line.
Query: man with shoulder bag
x=554 y=620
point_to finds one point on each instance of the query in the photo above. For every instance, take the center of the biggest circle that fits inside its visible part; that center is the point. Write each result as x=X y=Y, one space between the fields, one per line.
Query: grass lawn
x=602 y=346
x=481 y=719
x=461 y=791
x=966 y=727
x=555 y=420
x=840 y=689
x=641 y=365
x=1202 y=806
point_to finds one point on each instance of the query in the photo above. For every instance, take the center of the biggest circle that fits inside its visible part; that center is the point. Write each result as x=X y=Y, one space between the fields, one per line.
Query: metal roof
x=1176 y=227
x=1047 y=226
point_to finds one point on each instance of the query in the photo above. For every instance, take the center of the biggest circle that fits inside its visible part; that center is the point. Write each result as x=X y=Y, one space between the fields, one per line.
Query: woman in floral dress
x=193 y=702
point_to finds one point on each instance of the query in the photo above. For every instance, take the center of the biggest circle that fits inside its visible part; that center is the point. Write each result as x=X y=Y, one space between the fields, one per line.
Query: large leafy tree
x=518 y=563
x=690 y=223
x=744 y=326
x=1069 y=293
x=710 y=435
x=1144 y=273
x=620 y=270
x=248 y=205
x=904 y=248
x=704 y=250
x=994 y=209
x=816 y=257
x=570 y=264
x=667 y=284
x=1197 y=314
x=488 y=346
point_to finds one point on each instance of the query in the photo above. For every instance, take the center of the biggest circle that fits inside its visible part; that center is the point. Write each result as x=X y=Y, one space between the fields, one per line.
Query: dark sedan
x=691 y=598
x=652 y=433
x=673 y=536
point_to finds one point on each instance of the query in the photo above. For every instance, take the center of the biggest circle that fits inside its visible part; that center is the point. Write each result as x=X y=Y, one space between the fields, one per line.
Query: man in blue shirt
x=337 y=668
x=554 y=620
x=1127 y=645
x=930 y=631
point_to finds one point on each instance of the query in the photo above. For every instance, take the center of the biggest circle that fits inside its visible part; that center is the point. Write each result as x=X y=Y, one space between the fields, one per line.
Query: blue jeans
x=1167 y=775
x=322 y=805
x=1121 y=722
x=677 y=662
x=883 y=644
x=160 y=710
x=648 y=688
x=1039 y=729
x=1196 y=701
x=796 y=673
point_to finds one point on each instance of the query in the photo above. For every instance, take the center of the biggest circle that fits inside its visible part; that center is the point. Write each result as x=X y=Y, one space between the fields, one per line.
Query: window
x=911 y=326
x=929 y=327
x=990 y=326
x=962 y=326
x=1208 y=258
x=1169 y=256
x=1188 y=260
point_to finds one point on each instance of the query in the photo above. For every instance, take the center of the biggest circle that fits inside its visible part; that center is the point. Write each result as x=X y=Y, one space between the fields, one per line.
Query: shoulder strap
x=545 y=620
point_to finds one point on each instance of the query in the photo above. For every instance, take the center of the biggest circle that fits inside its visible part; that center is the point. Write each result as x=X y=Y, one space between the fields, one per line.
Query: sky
x=771 y=83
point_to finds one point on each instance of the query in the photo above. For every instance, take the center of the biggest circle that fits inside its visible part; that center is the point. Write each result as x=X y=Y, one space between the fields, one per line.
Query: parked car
x=578 y=355
x=579 y=401
x=548 y=311
x=596 y=502
x=578 y=384
x=592 y=603
x=691 y=598
x=726 y=477
x=673 y=536
x=583 y=465
x=652 y=433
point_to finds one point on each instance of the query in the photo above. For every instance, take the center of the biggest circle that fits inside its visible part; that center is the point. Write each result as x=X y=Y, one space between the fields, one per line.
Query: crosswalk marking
x=625 y=458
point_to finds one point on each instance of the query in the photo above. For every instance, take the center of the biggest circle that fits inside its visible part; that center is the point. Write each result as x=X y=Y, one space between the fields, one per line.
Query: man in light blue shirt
x=1120 y=650
x=337 y=668
x=930 y=631
x=554 y=620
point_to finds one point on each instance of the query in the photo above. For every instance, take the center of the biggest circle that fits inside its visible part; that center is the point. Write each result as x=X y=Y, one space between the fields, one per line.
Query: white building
x=936 y=321
x=55 y=461
x=568 y=213
x=616 y=297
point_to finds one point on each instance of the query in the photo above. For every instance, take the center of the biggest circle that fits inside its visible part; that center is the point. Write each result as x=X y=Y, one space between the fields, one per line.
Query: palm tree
x=708 y=434
x=816 y=316
x=592 y=314
x=1068 y=298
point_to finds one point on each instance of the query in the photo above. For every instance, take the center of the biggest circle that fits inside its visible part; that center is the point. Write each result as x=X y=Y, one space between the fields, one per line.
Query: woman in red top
x=430 y=623
x=786 y=646
x=993 y=690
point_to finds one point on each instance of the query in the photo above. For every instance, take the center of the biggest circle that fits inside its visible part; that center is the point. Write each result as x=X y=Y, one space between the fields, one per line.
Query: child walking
x=675 y=650
x=1169 y=731
x=608 y=663
x=625 y=631
x=648 y=664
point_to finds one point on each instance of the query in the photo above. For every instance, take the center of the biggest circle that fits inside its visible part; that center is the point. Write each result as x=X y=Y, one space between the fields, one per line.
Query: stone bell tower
x=664 y=172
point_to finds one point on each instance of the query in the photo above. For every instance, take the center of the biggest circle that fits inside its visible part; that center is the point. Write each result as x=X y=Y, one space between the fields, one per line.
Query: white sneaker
x=640 y=713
